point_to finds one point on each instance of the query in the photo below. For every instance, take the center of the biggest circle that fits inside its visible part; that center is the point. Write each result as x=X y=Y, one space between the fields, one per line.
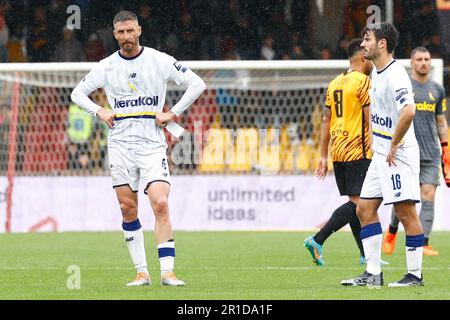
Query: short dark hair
x=419 y=49
x=384 y=30
x=124 y=16
x=353 y=47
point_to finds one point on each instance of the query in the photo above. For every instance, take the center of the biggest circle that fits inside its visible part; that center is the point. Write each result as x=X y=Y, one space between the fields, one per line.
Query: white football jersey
x=136 y=90
x=391 y=91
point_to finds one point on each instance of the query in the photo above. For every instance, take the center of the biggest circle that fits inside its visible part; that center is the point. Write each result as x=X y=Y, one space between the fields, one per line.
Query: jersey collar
x=131 y=58
x=386 y=67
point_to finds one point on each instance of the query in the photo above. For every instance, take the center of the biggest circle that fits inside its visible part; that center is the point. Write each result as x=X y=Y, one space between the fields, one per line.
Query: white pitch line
x=222 y=268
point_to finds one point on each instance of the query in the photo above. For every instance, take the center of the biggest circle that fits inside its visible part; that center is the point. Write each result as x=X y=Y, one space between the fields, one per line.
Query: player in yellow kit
x=346 y=122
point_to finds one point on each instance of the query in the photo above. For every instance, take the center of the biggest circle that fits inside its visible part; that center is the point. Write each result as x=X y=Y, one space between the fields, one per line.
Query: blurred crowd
x=56 y=136
x=35 y=30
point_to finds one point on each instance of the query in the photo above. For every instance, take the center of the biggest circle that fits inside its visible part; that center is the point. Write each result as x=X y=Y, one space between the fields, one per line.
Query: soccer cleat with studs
x=389 y=241
x=409 y=280
x=315 y=250
x=365 y=279
x=142 y=279
x=429 y=251
x=169 y=279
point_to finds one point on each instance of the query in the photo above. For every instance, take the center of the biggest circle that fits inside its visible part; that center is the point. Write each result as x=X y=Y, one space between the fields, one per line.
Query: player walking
x=135 y=81
x=346 y=121
x=430 y=126
x=393 y=175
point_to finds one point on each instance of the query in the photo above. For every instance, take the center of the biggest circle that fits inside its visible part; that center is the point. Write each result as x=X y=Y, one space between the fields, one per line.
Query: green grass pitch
x=215 y=265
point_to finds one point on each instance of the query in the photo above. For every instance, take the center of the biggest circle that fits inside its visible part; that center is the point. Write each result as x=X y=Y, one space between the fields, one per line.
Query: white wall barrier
x=196 y=203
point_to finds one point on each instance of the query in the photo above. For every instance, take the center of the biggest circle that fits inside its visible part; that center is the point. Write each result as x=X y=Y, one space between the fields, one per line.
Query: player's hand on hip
x=164 y=117
x=391 y=155
x=322 y=168
x=107 y=116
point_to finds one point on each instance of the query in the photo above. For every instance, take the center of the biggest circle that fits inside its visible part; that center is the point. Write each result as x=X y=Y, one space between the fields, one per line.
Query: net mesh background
x=246 y=122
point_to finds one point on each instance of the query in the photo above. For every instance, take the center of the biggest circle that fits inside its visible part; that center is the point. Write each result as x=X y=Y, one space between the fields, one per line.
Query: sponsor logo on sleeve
x=179 y=67
x=400 y=94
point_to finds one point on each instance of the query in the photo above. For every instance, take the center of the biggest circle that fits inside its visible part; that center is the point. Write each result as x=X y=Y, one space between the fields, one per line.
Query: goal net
x=255 y=117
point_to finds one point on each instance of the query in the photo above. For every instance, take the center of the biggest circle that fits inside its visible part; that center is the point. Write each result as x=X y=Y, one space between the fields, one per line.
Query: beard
x=370 y=55
x=128 y=46
x=422 y=73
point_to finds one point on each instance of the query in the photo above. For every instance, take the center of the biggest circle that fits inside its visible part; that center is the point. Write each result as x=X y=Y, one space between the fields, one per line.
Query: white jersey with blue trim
x=391 y=91
x=136 y=90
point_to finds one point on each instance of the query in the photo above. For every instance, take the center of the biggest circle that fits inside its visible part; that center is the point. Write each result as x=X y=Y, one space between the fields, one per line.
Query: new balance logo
x=397 y=194
x=129 y=239
x=411 y=249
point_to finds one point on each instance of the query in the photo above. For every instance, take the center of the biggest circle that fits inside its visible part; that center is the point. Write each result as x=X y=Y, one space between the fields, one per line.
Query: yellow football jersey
x=347 y=95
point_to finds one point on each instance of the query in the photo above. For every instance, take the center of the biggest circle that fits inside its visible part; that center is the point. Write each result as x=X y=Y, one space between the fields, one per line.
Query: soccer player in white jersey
x=135 y=81
x=431 y=128
x=393 y=175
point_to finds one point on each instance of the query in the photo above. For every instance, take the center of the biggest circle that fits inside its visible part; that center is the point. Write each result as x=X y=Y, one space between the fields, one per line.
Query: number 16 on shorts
x=396 y=182
x=393 y=184
x=403 y=184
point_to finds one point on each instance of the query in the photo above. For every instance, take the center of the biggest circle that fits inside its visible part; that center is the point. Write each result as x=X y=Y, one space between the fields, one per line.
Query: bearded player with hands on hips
x=135 y=81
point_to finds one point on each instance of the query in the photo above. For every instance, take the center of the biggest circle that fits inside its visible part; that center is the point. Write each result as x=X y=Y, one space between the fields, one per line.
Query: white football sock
x=135 y=244
x=372 y=250
x=414 y=260
x=166 y=253
x=414 y=254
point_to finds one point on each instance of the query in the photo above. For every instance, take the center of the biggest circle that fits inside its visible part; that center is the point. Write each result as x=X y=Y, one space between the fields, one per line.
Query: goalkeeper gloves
x=446 y=162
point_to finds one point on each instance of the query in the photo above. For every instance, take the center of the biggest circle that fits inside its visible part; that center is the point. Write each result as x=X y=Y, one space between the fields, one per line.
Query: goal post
x=205 y=65
x=255 y=117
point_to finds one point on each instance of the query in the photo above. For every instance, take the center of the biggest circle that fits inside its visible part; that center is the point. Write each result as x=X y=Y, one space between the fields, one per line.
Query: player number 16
x=396 y=183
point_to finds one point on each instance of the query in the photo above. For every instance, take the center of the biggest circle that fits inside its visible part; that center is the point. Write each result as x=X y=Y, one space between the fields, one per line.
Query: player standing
x=393 y=174
x=135 y=81
x=430 y=126
x=346 y=121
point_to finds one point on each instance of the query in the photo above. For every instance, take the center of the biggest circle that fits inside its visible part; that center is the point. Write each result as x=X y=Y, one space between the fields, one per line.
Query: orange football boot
x=142 y=279
x=389 y=243
x=429 y=251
